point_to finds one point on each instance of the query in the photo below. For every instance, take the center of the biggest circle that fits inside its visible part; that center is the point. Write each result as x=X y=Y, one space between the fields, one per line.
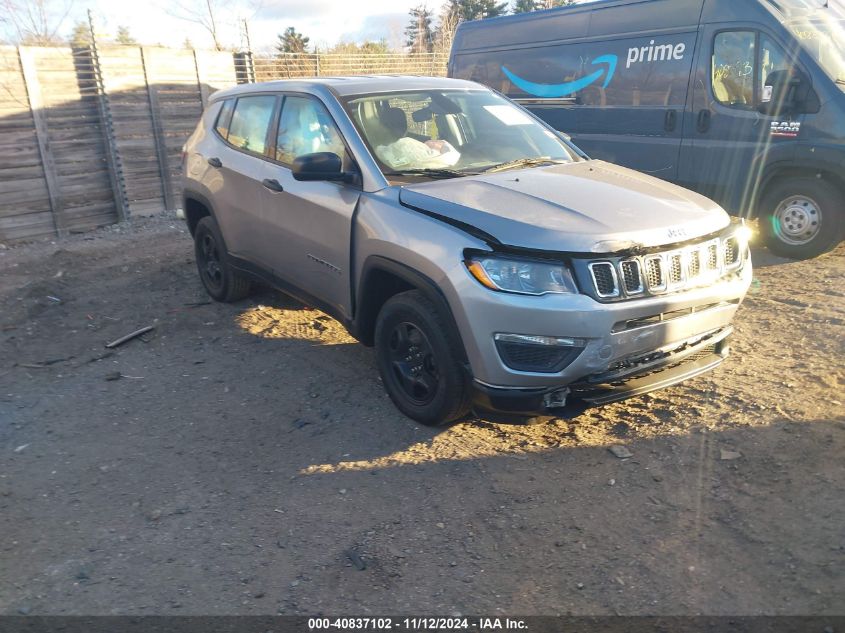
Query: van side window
x=224 y=118
x=250 y=122
x=772 y=59
x=734 y=55
x=306 y=127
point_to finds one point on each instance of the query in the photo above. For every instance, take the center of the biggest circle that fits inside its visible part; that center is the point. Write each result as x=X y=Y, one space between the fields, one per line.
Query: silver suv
x=490 y=262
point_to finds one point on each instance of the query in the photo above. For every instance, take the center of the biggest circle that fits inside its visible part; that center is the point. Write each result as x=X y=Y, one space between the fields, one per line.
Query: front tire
x=801 y=218
x=418 y=357
x=221 y=281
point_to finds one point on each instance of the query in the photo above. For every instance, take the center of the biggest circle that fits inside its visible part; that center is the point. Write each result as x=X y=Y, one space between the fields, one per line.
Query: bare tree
x=35 y=22
x=448 y=23
x=217 y=17
x=124 y=38
x=206 y=13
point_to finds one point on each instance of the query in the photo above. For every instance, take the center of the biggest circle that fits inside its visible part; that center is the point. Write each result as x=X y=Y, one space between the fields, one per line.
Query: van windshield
x=449 y=133
x=824 y=40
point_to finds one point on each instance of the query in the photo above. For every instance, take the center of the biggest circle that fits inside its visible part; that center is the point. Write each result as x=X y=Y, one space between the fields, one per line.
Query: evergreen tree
x=81 y=35
x=526 y=6
x=419 y=34
x=478 y=9
x=123 y=36
x=291 y=41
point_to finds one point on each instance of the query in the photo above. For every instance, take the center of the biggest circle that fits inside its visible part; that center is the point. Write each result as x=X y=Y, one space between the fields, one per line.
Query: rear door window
x=250 y=123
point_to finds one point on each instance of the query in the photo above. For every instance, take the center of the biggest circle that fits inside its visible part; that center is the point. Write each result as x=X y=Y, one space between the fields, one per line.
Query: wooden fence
x=292 y=65
x=89 y=136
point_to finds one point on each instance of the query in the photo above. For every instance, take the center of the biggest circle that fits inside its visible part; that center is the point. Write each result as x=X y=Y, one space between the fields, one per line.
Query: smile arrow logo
x=571 y=87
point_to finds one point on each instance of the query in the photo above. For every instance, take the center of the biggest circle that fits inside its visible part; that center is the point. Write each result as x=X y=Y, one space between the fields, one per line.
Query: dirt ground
x=229 y=461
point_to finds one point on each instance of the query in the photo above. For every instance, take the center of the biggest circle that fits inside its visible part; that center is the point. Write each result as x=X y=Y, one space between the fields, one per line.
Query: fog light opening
x=556 y=399
x=537 y=354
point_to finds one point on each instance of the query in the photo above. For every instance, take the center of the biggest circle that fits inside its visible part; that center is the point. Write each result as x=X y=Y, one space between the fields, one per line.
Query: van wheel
x=418 y=361
x=221 y=281
x=801 y=218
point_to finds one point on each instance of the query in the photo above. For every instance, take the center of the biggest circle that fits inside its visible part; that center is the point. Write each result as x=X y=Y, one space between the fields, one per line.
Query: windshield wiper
x=523 y=162
x=431 y=172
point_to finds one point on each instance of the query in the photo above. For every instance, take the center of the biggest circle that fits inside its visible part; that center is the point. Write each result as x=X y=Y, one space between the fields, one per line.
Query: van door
x=621 y=100
x=726 y=138
x=309 y=224
x=637 y=119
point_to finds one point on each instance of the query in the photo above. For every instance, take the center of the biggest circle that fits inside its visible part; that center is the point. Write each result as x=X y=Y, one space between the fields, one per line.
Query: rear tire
x=801 y=218
x=419 y=360
x=221 y=281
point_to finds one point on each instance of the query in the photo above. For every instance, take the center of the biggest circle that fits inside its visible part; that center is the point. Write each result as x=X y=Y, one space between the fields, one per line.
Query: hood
x=586 y=207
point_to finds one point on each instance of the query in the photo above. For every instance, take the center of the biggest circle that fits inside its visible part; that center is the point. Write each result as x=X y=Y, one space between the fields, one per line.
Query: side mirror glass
x=320 y=166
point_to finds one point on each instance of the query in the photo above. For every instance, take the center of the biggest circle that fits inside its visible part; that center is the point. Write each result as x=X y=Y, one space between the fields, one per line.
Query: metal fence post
x=200 y=68
x=121 y=202
x=158 y=136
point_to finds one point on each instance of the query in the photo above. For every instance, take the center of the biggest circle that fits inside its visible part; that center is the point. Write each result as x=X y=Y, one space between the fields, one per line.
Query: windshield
x=452 y=132
x=824 y=39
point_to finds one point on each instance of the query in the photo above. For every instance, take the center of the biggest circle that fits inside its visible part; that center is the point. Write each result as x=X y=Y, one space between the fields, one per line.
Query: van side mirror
x=320 y=166
x=788 y=92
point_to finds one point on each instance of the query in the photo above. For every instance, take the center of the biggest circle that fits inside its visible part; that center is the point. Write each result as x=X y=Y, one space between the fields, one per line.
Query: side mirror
x=787 y=92
x=320 y=166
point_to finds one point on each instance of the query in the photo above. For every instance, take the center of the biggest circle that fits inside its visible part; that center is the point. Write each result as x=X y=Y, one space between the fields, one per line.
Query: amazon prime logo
x=607 y=65
x=606 y=68
x=652 y=53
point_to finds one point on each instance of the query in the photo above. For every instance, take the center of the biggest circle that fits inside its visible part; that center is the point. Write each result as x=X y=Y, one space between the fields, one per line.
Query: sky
x=326 y=22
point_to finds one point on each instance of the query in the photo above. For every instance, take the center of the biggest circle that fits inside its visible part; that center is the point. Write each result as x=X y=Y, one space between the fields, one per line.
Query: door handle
x=272 y=184
x=215 y=162
x=671 y=121
x=702 y=123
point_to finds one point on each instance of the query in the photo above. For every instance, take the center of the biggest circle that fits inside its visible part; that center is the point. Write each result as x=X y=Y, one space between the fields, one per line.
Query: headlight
x=744 y=234
x=523 y=276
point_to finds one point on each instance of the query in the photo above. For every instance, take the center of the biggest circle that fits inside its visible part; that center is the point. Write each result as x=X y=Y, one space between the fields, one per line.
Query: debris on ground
x=620 y=451
x=357 y=561
x=130 y=336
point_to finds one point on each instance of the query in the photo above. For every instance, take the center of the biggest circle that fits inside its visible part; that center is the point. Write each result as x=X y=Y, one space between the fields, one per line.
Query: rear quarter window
x=224 y=117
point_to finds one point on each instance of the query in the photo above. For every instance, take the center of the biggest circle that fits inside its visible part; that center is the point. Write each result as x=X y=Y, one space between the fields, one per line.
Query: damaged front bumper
x=628 y=378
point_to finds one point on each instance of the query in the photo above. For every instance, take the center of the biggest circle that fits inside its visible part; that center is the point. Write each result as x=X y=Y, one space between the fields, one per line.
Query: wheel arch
x=383 y=278
x=786 y=172
x=196 y=207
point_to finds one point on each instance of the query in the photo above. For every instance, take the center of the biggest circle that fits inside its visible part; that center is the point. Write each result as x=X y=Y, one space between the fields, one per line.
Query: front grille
x=731 y=252
x=631 y=276
x=676 y=269
x=654 y=273
x=671 y=270
x=536 y=358
x=604 y=278
x=712 y=257
x=694 y=266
